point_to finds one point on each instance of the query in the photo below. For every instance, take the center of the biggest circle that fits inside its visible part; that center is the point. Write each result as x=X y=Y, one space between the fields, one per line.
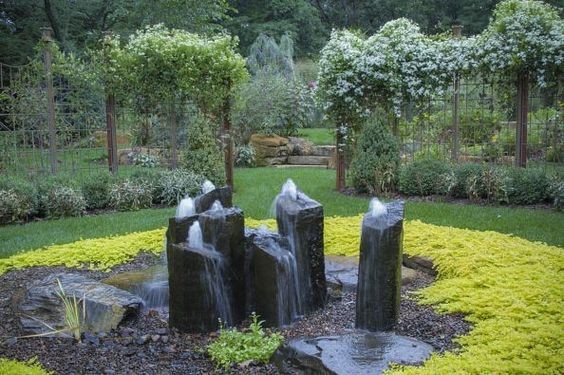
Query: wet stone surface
x=354 y=353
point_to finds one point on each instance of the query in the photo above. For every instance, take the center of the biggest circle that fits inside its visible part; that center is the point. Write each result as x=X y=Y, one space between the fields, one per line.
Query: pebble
x=155 y=338
x=142 y=340
x=162 y=331
x=164 y=339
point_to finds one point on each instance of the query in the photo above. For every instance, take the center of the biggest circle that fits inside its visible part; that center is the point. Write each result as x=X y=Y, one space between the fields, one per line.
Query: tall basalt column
x=204 y=201
x=198 y=292
x=301 y=222
x=224 y=230
x=379 y=275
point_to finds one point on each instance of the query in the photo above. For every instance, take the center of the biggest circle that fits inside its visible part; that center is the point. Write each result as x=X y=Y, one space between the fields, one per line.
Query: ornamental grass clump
x=233 y=346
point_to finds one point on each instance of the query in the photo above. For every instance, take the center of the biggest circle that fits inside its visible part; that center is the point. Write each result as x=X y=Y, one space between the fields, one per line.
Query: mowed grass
x=255 y=190
x=318 y=136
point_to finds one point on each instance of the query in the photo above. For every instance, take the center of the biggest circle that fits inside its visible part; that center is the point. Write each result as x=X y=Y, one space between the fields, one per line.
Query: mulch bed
x=147 y=346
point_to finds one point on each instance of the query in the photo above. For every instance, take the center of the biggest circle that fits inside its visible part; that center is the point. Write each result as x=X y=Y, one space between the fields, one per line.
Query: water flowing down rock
x=150 y=284
x=358 y=353
x=379 y=278
x=274 y=280
x=106 y=306
x=301 y=221
x=199 y=295
x=177 y=232
x=205 y=201
x=224 y=230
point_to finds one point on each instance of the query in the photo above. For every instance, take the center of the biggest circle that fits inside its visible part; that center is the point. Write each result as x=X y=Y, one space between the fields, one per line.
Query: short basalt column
x=379 y=277
x=224 y=230
x=199 y=295
x=300 y=220
x=274 y=283
x=177 y=232
x=205 y=201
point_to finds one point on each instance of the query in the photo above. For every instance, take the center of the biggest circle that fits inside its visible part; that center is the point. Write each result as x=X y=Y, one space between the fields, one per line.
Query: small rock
x=91 y=339
x=142 y=340
x=102 y=335
x=169 y=349
x=10 y=342
x=155 y=338
x=127 y=341
x=128 y=352
x=164 y=339
x=162 y=331
x=109 y=371
x=127 y=331
x=245 y=364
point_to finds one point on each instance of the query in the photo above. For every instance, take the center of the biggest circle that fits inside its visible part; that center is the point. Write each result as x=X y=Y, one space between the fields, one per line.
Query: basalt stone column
x=177 y=232
x=197 y=298
x=204 y=202
x=273 y=280
x=379 y=275
x=225 y=231
x=301 y=222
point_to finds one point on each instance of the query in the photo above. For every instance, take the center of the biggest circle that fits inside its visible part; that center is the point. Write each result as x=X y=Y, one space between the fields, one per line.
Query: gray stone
x=280 y=160
x=106 y=306
x=419 y=263
x=300 y=146
x=204 y=202
x=359 y=353
x=379 y=276
x=301 y=222
x=324 y=150
x=309 y=160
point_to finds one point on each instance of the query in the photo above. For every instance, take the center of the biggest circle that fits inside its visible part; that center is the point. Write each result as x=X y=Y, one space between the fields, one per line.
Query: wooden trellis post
x=47 y=64
x=226 y=138
x=111 y=133
x=522 y=114
x=457 y=33
x=173 y=133
x=340 y=162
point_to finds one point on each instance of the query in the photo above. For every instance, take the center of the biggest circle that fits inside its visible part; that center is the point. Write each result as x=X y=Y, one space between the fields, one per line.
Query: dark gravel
x=147 y=346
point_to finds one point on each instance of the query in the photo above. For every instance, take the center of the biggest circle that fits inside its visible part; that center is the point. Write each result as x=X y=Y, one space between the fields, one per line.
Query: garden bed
x=147 y=345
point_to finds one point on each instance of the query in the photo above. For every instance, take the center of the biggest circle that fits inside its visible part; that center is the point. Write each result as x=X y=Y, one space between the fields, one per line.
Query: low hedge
x=22 y=200
x=499 y=184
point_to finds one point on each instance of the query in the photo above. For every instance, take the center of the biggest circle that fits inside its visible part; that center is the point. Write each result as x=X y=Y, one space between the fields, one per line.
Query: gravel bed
x=146 y=345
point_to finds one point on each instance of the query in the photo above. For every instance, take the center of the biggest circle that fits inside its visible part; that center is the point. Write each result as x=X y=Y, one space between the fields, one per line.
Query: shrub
x=245 y=156
x=63 y=201
x=462 y=173
x=18 y=200
x=96 y=191
x=143 y=160
x=174 y=185
x=131 y=195
x=376 y=160
x=203 y=155
x=489 y=183
x=424 y=177
x=527 y=186
x=233 y=346
x=556 y=192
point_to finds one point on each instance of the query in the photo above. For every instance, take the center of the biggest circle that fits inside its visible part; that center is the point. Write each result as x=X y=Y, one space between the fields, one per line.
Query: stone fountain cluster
x=221 y=272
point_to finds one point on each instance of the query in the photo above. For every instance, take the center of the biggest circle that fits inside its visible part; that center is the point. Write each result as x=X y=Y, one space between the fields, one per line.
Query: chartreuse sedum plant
x=233 y=346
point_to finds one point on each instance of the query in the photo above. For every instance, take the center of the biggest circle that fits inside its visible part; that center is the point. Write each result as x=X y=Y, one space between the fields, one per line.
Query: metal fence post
x=457 y=33
x=522 y=114
x=111 y=133
x=47 y=64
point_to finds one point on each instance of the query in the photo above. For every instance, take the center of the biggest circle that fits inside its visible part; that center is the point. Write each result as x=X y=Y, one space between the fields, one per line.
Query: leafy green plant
x=375 y=166
x=172 y=186
x=527 y=186
x=29 y=367
x=245 y=156
x=61 y=201
x=18 y=200
x=131 y=195
x=203 y=155
x=233 y=346
x=96 y=190
x=424 y=177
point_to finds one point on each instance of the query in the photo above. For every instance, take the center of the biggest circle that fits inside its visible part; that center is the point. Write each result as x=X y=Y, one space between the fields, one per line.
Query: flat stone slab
x=309 y=160
x=356 y=353
x=106 y=306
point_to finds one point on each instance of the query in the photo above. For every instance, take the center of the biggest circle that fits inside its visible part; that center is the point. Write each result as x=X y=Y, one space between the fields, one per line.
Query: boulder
x=274 y=161
x=419 y=263
x=268 y=146
x=106 y=306
x=300 y=146
x=358 y=353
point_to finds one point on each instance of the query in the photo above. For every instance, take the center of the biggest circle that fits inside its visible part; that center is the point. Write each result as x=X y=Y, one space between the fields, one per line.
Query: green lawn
x=255 y=190
x=318 y=136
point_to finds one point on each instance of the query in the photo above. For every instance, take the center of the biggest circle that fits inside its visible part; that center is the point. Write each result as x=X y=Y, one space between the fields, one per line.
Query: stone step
x=309 y=160
x=300 y=166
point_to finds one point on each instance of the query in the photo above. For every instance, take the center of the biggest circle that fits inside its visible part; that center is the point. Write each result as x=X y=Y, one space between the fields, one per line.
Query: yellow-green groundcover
x=510 y=289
